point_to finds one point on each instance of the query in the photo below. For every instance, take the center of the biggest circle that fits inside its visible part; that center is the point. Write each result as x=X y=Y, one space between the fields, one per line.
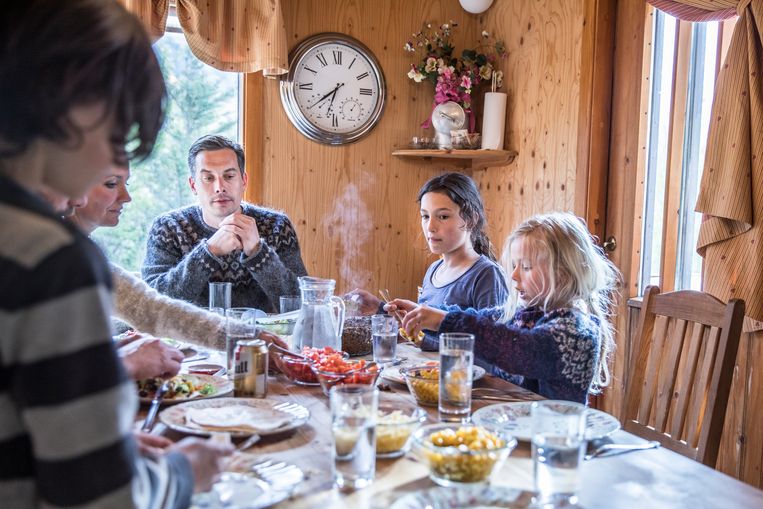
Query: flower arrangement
x=454 y=77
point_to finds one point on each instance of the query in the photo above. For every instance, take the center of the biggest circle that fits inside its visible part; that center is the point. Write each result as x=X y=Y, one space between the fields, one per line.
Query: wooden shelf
x=477 y=159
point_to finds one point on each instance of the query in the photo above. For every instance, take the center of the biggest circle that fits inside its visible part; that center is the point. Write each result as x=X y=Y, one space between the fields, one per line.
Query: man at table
x=223 y=238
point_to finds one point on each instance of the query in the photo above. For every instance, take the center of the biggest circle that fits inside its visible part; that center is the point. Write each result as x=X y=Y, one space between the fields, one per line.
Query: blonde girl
x=553 y=333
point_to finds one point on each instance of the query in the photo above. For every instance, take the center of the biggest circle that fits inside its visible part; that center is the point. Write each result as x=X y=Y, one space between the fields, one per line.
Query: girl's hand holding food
x=421 y=317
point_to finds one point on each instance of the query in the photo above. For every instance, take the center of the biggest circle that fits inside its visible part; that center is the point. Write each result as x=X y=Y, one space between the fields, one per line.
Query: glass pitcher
x=321 y=317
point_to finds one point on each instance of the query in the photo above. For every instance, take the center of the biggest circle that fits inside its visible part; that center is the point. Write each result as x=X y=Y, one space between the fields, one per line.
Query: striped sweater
x=66 y=405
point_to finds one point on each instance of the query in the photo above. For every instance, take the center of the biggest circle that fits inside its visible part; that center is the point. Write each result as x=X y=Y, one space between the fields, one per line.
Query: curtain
x=234 y=35
x=731 y=188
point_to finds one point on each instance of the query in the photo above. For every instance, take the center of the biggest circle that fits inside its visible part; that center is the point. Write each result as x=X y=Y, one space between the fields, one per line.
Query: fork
x=154 y=409
x=613 y=449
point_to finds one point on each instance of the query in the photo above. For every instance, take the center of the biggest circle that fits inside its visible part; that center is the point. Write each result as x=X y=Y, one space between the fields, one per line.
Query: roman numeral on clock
x=365 y=91
x=322 y=59
x=361 y=76
x=311 y=70
x=353 y=61
x=305 y=86
x=337 y=57
x=334 y=121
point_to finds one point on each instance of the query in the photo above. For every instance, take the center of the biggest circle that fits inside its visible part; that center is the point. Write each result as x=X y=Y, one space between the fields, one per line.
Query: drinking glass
x=456 y=365
x=353 y=431
x=289 y=303
x=558 y=445
x=219 y=297
x=384 y=334
x=239 y=325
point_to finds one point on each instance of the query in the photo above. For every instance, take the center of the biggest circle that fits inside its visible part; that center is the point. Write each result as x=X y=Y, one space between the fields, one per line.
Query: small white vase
x=476 y=6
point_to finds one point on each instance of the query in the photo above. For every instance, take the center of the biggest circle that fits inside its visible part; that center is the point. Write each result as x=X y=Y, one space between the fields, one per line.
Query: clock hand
x=333 y=91
x=328 y=111
x=449 y=117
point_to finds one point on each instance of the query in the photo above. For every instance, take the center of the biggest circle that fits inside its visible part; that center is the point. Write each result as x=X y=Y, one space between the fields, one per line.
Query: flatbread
x=236 y=418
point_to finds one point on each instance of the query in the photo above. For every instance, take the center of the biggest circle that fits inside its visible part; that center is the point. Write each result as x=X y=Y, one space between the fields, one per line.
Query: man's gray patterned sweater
x=179 y=264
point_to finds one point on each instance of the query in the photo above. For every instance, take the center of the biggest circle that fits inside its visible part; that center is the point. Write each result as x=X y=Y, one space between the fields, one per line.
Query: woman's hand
x=419 y=318
x=368 y=304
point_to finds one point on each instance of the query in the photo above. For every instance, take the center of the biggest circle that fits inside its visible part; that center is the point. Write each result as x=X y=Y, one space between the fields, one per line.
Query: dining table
x=654 y=479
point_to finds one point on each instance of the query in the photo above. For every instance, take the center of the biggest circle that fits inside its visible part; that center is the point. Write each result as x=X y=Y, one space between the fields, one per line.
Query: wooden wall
x=354 y=206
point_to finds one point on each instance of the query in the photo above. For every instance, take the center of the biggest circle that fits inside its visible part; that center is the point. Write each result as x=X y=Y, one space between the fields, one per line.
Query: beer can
x=250 y=379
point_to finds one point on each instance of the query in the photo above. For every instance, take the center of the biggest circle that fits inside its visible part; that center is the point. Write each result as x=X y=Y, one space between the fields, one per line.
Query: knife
x=148 y=424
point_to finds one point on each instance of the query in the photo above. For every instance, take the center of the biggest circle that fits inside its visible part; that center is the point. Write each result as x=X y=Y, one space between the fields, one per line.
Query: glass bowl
x=280 y=327
x=395 y=423
x=299 y=370
x=352 y=372
x=424 y=383
x=459 y=454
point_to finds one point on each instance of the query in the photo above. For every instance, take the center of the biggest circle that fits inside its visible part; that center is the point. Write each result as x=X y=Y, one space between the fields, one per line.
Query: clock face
x=334 y=92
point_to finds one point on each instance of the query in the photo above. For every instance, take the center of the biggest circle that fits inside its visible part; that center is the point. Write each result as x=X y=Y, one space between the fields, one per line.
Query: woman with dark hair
x=466 y=274
x=80 y=92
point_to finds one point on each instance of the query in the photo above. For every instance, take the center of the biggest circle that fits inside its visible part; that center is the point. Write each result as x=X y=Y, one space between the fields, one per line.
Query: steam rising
x=350 y=223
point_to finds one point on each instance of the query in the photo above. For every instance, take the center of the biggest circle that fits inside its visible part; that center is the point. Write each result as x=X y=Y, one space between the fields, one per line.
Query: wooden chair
x=681 y=370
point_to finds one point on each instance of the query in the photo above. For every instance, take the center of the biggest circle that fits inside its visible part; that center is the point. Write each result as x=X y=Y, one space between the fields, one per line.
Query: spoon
x=284 y=351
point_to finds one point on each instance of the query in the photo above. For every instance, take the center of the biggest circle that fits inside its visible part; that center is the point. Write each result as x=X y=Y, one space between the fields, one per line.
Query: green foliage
x=202 y=100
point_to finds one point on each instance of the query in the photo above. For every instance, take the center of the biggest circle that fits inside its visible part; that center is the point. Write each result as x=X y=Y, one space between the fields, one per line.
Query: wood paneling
x=627 y=153
x=545 y=41
x=354 y=206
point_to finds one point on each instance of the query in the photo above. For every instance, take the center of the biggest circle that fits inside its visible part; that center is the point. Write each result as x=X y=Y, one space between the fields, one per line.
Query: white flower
x=431 y=64
x=486 y=71
x=415 y=75
x=409 y=47
x=485 y=34
x=498 y=79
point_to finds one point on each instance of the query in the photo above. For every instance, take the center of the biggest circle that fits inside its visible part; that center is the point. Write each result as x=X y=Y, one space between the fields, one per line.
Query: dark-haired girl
x=466 y=274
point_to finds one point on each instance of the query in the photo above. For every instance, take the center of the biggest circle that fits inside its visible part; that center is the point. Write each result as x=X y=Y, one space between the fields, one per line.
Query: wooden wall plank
x=354 y=206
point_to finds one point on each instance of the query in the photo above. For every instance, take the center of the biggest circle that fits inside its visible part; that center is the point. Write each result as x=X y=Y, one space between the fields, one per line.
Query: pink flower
x=466 y=82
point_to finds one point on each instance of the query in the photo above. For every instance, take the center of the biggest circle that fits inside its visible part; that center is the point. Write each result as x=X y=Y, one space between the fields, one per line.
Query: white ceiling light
x=476 y=6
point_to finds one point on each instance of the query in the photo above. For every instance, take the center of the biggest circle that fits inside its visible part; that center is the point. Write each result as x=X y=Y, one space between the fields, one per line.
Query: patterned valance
x=234 y=35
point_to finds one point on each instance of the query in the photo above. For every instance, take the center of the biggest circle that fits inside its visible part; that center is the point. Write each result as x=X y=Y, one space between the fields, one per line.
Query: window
x=685 y=59
x=202 y=100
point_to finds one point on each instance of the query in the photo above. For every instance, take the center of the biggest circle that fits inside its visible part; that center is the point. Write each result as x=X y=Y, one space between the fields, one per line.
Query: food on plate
x=179 y=387
x=236 y=418
x=424 y=383
x=465 y=454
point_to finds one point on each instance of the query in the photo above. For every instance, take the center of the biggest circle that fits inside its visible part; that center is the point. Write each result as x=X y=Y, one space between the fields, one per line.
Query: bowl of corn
x=424 y=383
x=459 y=454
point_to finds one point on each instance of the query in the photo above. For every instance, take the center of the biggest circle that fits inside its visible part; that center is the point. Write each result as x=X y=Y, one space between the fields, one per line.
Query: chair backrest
x=681 y=371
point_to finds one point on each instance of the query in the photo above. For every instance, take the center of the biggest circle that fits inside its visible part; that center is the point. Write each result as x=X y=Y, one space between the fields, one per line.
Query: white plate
x=393 y=374
x=222 y=385
x=514 y=419
x=175 y=417
x=238 y=491
x=463 y=497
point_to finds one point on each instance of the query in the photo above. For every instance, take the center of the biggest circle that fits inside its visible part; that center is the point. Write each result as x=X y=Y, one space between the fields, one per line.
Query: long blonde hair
x=579 y=275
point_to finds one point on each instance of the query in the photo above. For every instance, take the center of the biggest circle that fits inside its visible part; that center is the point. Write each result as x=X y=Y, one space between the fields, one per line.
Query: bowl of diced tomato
x=337 y=371
x=299 y=370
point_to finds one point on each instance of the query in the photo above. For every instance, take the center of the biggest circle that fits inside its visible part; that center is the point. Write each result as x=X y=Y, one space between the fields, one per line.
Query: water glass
x=456 y=366
x=384 y=334
x=353 y=431
x=239 y=326
x=558 y=445
x=219 y=297
x=289 y=303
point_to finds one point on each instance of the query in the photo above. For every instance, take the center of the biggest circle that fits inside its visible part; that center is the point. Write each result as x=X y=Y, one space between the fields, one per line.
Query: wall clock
x=334 y=92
